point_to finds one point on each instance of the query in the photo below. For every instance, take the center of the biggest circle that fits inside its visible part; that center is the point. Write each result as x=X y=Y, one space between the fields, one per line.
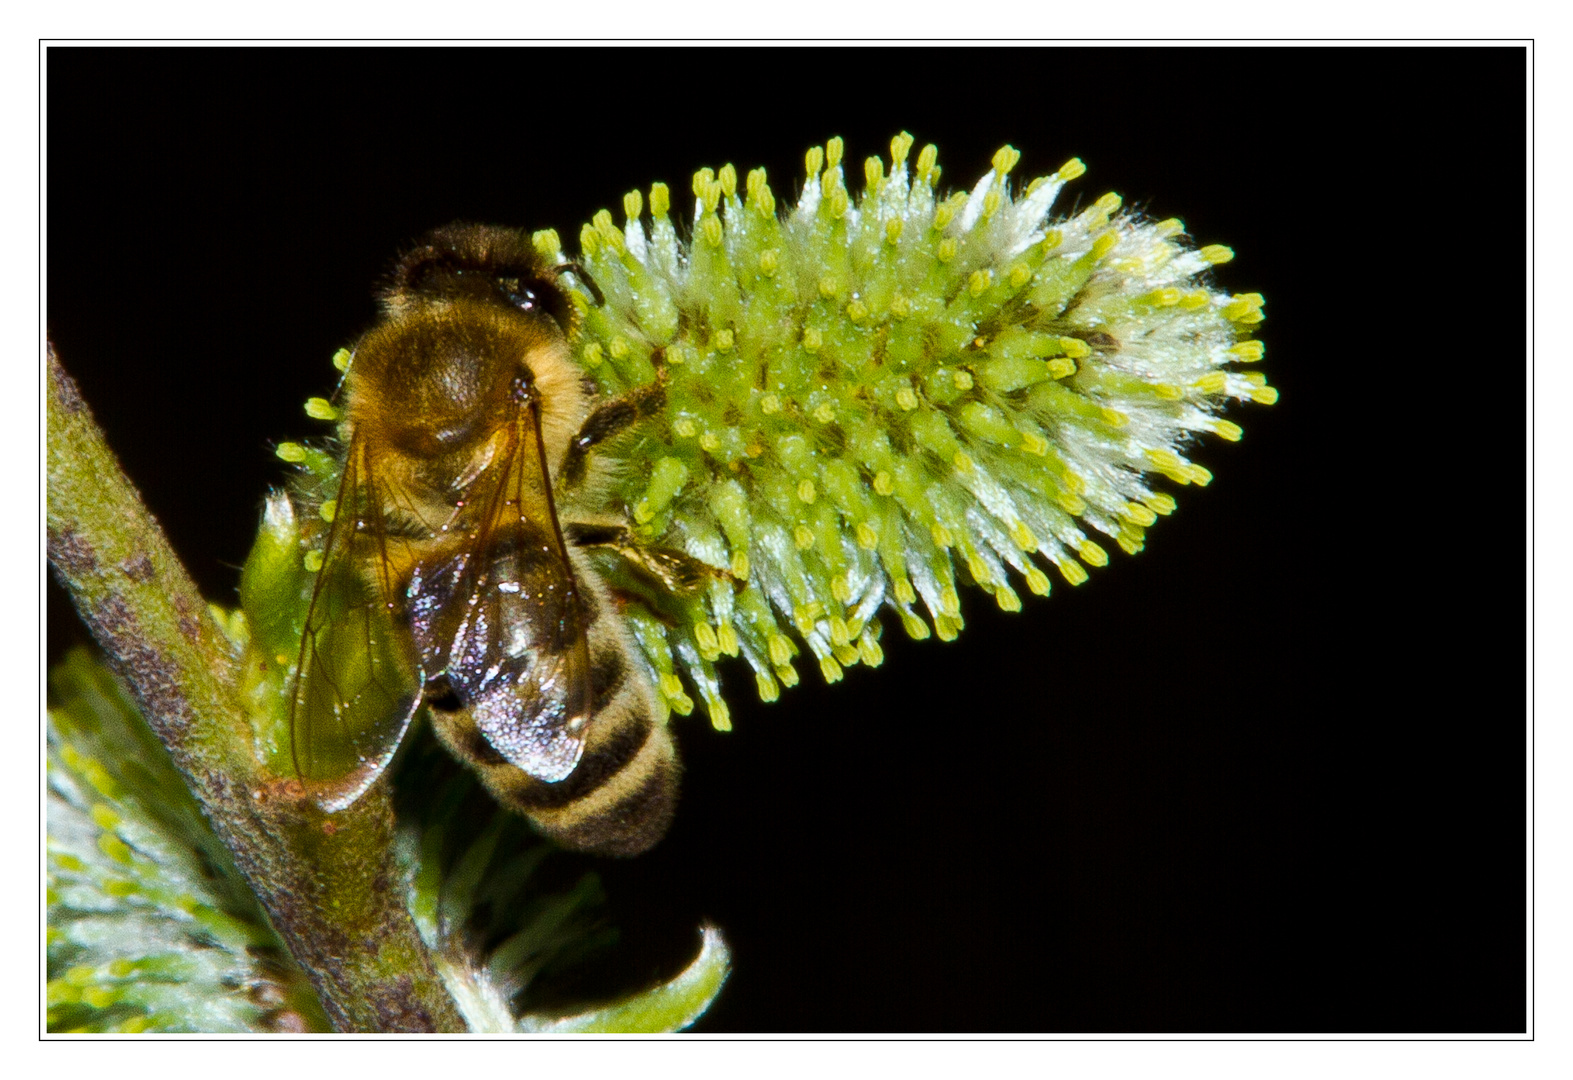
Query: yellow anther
x=1061 y=367
x=1073 y=572
x=769 y=261
x=1005 y=159
x=705 y=637
x=944 y=213
x=857 y=311
x=1200 y=476
x=1006 y=598
x=727 y=179
x=1113 y=417
x=328 y=510
x=671 y=685
x=838 y=631
x=1216 y=254
x=740 y=565
x=770 y=404
x=803 y=537
x=633 y=205
x=867 y=538
x=723 y=340
x=841 y=589
x=547 y=243
x=869 y=651
x=1075 y=348
x=1169 y=227
x=726 y=637
x=1071 y=503
x=907 y=399
x=593 y=356
x=946 y=250
x=341 y=359
x=977 y=283
x=720 y=715
x=660 y=200
x=979 y=570
x=589 y=240
x=292 y=452
x=313 y=561
x=883 y=485
x=947 y=627
x=1051 y=240
x=873 y=173
x=962 y=378
x=1033 y=443
x=813 y=161
x=904 y=592
x=787 y=674
x=781 y=650
x=899 y=146
x=1227 y=429
x=709 y=442
x=812 y=340
x=1195 y=300
x=710 y=231
x=941 y=536
x=1071 y=169
x=104 y=817
x=1130 y=543
x=926 y=159
x=806 y=492
x=769 y=689
x=320 y=409
x=1023 y=537
x=824 y=412
x=913 y=624
x=962 y=462
x=1214 y=382
x=1166 y=459
x=991 y=204
x=1037 y=581
x=1108 y=203
x=830 y=669
x=1160 y=503
x=1168 y=393
x=1249 y=351
x=893 y=231
x=603 y=225
x=1267 y=395
x=833 y=150
x=1103 y=245
x=1166 y=297
x=900 y=307
x=1138 y=513
x=847 y=654
x=1020 y=275
x=949 y=602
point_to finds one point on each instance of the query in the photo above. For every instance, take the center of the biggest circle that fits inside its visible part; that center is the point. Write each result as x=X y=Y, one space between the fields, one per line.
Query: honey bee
x=455 y=572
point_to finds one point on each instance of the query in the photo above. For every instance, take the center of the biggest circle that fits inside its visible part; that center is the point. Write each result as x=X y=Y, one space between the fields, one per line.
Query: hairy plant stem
x=327 y=881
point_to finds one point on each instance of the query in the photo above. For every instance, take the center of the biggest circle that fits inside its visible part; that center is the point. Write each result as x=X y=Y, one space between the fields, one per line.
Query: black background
x=1267 y=776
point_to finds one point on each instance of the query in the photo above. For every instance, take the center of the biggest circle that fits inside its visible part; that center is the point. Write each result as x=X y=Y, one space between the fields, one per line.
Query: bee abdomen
x=620 y=798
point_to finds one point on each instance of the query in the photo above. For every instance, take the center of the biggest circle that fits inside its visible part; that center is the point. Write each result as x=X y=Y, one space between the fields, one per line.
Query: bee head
x=484 y=263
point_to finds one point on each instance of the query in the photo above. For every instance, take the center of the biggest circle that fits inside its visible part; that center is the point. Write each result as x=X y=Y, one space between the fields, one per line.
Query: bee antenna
x=583 y=275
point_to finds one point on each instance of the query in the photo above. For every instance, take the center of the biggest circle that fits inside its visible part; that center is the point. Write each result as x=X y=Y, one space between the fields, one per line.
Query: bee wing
x=356 y=685
x=504 y=621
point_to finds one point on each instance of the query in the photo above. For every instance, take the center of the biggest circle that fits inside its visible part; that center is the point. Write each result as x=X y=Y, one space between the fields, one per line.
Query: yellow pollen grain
x=803 y=537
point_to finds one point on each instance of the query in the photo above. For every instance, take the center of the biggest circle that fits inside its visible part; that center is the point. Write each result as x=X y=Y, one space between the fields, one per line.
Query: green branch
x=330 y=886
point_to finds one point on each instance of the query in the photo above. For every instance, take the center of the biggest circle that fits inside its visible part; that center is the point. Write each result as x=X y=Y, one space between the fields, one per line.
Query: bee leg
x=608 y=419
x=678 y=572
x=583 y=275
